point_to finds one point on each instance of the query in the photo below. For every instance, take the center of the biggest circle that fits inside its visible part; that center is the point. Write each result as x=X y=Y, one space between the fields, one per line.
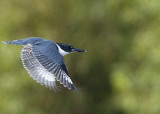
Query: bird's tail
x=15 y=42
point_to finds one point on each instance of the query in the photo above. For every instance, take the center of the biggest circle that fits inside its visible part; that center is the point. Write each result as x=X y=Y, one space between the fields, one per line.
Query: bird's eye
x=71 y=47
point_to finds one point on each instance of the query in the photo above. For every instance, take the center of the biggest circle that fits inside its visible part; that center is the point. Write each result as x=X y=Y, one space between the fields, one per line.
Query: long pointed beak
x=78 y=50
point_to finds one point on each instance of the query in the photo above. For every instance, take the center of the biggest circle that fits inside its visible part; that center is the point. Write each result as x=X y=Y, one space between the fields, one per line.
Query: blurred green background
x=119 y=74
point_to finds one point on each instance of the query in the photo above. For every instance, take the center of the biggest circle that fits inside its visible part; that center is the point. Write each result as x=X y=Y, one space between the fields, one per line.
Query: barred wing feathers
x=44 y=70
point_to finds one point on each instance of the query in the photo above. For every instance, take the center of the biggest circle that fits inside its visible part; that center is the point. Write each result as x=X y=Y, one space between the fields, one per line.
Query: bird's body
x=43 y=59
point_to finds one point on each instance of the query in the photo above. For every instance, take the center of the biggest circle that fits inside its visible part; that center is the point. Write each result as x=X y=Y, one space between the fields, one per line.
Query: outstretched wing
x=43 y=69
x=36 y=70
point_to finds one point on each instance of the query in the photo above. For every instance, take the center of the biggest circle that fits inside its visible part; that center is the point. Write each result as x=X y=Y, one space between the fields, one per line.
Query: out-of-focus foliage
x=120 y=73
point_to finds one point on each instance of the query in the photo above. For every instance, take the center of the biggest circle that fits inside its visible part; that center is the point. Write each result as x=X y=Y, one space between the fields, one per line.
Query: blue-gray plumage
x=43 y=59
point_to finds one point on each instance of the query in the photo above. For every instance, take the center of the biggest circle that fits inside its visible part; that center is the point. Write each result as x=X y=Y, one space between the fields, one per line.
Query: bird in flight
x=44 y=61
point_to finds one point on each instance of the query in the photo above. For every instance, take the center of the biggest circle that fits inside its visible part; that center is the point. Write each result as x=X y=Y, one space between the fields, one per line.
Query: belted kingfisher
x=43 y=59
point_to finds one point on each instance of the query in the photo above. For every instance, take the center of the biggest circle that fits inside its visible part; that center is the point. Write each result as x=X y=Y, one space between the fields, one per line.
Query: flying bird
x=44 y=61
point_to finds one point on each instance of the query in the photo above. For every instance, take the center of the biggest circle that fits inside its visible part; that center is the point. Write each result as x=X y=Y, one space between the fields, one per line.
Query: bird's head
x=65 y=49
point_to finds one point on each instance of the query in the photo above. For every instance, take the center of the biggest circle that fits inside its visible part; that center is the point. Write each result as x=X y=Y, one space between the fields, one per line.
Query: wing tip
x=73 y=87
